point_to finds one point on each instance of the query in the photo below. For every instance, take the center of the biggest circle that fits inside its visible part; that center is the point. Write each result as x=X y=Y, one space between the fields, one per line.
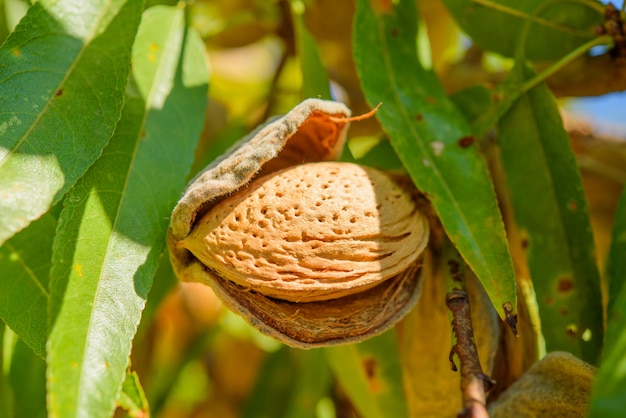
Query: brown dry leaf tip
x=511 y=318
x=360 y=117
x=309 y=251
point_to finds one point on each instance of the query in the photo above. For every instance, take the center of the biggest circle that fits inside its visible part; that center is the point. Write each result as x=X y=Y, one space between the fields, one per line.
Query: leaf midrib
x=111 y=240
x=433 y=165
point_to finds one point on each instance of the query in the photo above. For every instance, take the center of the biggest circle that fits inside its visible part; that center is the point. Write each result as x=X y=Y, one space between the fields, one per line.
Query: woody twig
x=474 y=383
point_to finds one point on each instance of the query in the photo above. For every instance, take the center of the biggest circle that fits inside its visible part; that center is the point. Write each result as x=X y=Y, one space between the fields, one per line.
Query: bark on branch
x=474 y=383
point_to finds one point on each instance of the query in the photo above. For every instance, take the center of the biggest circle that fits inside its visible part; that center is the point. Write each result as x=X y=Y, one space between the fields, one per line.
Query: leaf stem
x=579 y=51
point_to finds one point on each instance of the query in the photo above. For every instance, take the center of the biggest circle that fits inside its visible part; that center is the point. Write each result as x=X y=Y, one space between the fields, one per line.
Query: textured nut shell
x=312 y=232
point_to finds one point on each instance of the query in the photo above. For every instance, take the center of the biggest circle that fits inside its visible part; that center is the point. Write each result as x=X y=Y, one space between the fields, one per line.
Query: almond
x=310 y=252
x=312 y=232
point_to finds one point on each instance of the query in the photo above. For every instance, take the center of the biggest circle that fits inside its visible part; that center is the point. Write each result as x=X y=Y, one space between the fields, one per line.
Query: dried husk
x=313 y=131
x=557 y=386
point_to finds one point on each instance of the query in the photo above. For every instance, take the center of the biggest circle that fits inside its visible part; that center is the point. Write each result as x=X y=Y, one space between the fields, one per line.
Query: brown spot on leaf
x=511 y=318
x=370 y=365
x=59 y=92
x=571 y=330
x=382 y=6
x=572 y=205
x=466 y=141
x=565 y=285
x=394 y=32
x=496 y=97
x=419 y=117
x=564 y=311
x=525 y=243
x=454 y=266
x=455 y=271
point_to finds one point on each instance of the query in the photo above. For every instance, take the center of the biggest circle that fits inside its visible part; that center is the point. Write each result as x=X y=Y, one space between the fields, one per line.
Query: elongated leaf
x=300 y=378
x=133 y=398
x=314 y=76
x=609 y=393
x=371 y=374
x=434 y=142
x=557 y=29
x=616 y=264
x=25 y=264
x=313 y=383
x=27 y=373
x=275 y=380
x=62 y=80
x=552 y=216
x=113 y=225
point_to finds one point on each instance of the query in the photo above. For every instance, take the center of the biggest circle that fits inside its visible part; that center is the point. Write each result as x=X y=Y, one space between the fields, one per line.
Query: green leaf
x=312 y=383
x=132 y=398
x=609 y=392
x=557 y=26
x=299 y=377
x=25 y=263
x=314 y=76
x=380 y=155
x=370 y=372
x=473 y=101
x=434 y=142
x=275 y=379
x=552 y=216
x=27 y=373
x=112 y=228
x=616 y=263
x=63 y=74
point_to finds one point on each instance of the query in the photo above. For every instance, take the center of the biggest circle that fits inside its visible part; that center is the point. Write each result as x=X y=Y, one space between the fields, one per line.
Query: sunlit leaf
x=133 y=398
x=62 y=80
x=434 y=141
x=112 y=228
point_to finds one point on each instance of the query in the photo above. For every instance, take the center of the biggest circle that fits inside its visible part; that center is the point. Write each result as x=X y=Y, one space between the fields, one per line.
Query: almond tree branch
x=474 y=383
